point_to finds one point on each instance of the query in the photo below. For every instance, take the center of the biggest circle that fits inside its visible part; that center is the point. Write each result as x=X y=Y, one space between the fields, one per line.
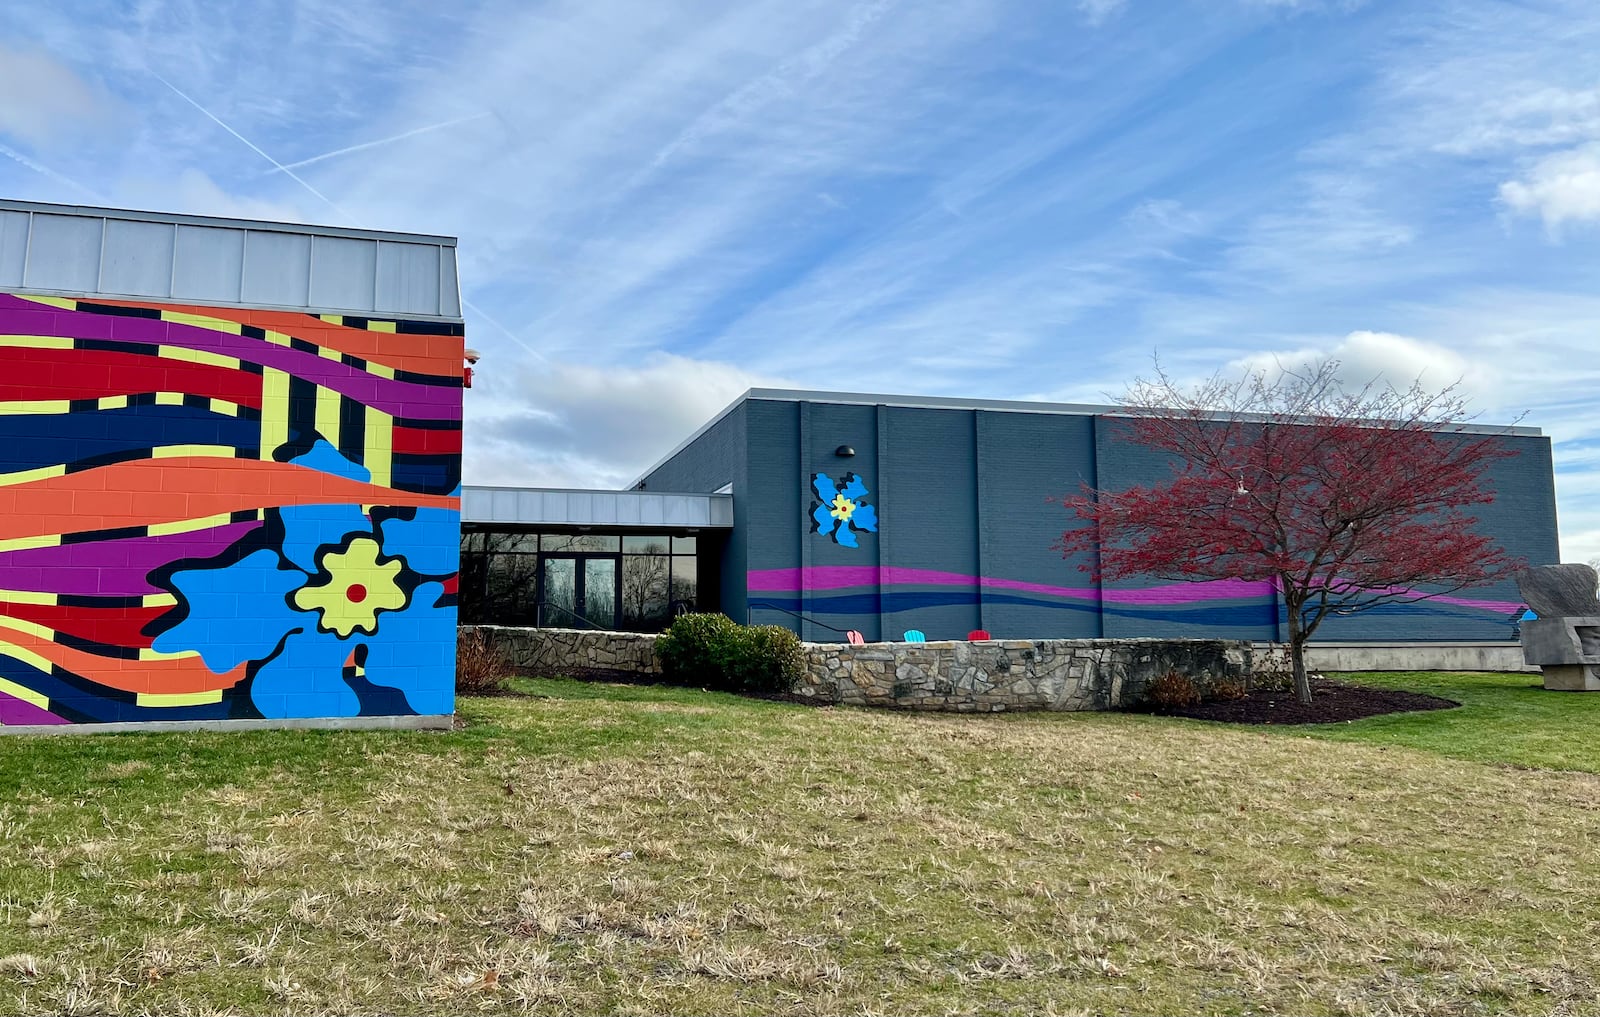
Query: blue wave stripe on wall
x=29 y=442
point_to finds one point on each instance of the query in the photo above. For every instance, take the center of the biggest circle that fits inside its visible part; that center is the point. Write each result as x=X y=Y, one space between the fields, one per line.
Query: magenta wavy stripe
x=839 y=577
x=14 y=712
x=111 y=568
x=396 y=398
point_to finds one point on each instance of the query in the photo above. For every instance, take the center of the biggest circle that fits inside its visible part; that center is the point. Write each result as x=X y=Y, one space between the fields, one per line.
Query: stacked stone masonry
x=961 y=677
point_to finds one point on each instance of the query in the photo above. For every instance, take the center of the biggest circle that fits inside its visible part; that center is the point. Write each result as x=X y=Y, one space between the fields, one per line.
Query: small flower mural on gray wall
x=840 y=510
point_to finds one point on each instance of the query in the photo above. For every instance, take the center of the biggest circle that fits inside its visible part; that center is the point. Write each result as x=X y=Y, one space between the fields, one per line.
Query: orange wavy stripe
x=183 y=674
x=148 y=491
x=426 y=354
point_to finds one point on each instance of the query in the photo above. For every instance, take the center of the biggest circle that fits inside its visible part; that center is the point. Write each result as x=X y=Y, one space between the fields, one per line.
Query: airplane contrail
x=292 y=175
x=381 y=141
x=44 y=170
x=253 y=147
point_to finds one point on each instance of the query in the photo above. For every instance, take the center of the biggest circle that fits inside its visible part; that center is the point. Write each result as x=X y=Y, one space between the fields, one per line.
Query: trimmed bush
x=714 y=652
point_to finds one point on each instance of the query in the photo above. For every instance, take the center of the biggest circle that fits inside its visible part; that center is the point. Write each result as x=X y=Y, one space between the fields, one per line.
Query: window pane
x=509 y=590
x=685 y=582
x=683 y=545
x=471 y=541
x=644 y=592
x=599 y=591
x=560 y=607
x=580 y=542
x=507 y=542
x=644 y=545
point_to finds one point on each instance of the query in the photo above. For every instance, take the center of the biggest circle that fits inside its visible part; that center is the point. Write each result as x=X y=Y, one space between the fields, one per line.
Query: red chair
x=855 y=637
x=977 y=634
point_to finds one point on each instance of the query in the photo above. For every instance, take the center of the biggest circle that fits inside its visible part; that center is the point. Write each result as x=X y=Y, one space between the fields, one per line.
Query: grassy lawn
x=643 y=850
x=1503 y=718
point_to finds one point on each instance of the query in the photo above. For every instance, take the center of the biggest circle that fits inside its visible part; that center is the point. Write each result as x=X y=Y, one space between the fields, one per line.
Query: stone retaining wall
x=573 y=653
x=1012 y=674
x=1006 y=674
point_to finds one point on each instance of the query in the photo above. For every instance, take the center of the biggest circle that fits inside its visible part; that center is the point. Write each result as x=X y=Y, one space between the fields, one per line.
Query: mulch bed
x=1331 y=703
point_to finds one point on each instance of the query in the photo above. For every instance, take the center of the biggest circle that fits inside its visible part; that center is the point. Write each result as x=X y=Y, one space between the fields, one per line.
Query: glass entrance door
x=579 y=592
x=600 y=592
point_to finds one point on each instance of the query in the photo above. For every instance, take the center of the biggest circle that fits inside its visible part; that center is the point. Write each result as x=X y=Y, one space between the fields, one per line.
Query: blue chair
x=914 y=636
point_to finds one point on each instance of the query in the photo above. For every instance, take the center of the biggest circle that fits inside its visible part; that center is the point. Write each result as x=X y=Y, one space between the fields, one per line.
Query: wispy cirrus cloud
x=667 y=201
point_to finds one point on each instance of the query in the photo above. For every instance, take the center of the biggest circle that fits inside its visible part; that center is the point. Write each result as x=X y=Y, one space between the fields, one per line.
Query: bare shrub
x=1171 y=691
x=480 y=669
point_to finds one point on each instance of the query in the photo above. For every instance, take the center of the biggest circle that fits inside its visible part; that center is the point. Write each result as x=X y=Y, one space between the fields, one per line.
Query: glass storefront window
x=644 y=545
x=600 y=580
x=580 y=542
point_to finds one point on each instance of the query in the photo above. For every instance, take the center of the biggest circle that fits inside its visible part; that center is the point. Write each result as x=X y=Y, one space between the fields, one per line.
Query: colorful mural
x=840 y=509
x=225 y=514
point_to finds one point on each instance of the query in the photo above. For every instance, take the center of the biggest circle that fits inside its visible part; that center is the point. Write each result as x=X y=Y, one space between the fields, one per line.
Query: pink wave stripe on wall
x=839 y=577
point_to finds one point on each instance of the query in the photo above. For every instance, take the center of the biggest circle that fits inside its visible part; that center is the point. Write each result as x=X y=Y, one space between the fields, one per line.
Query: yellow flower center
x=357 y=588
x=843 y=508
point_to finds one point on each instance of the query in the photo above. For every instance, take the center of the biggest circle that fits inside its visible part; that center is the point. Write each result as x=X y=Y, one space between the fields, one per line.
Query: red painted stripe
x=39 y=374
x=421 y=441
x=114 y=626
x=452 y=585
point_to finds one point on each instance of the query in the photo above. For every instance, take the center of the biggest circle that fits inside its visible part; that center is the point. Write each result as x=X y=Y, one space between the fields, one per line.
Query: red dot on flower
x=357 y=593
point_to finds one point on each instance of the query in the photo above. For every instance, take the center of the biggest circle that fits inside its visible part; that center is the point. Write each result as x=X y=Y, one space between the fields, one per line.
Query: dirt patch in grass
x=1331 y=703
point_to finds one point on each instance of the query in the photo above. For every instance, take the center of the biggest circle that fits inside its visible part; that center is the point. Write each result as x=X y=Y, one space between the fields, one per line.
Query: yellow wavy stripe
x=45 y=632
x=38 y=342
x=178 y=698
x=27 y=695
x=63 y=303
x=51 y=599
x=190 y=525
x=31 y=407
x=153 y=529
x=164 y=452
x=189 y=356
x=203 y=321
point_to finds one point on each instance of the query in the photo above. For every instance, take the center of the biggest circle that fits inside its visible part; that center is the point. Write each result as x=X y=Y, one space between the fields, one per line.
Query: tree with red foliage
x=1343 y=500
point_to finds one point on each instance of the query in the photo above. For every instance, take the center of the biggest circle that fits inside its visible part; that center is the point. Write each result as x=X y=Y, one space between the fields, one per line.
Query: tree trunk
x=1297 y=656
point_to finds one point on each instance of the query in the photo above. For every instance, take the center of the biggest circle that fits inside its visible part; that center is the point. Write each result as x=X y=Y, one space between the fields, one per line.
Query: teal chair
x=914 y=636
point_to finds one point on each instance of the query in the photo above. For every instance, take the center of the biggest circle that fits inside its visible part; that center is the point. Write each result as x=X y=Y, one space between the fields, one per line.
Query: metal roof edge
x=954 y=403
x=265 y=225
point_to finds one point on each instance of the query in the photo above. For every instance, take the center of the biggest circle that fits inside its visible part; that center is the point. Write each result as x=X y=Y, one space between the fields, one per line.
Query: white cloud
x=1097 y=11
x=1559 y=188
x=42 y=100
x=1385 y=358
x=586 y=425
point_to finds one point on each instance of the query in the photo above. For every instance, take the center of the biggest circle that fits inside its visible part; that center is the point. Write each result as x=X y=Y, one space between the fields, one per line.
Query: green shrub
x=1172 y=691
x=712 y=651
x=769 y=659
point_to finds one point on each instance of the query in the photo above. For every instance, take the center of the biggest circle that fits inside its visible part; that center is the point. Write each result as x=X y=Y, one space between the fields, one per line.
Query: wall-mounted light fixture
x=844 y=451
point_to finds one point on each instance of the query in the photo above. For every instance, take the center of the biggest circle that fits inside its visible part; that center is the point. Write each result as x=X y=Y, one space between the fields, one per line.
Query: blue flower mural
x=355 y=606
x=840 y=510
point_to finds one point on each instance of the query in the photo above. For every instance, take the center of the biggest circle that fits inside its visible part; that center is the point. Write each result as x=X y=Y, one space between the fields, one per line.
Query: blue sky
x=661 y=203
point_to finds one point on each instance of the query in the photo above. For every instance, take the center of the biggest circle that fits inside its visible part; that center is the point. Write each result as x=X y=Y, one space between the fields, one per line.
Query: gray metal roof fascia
x=23 y=291
x=694 y=510
x=796 y=395
x=183 y=219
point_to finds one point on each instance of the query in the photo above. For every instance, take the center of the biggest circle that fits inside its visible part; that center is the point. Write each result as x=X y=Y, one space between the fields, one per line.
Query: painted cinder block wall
x=967 y=506
x=224 y=514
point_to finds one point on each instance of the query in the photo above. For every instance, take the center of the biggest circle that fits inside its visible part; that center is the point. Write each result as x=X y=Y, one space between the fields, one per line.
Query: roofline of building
x=183 y=219
x=792 y=395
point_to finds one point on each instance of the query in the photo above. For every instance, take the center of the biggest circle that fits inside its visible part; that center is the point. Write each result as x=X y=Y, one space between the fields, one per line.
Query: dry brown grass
x=680 y=853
